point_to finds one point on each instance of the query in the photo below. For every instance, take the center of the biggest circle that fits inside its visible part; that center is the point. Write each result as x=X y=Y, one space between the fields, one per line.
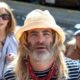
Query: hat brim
x=56 y=28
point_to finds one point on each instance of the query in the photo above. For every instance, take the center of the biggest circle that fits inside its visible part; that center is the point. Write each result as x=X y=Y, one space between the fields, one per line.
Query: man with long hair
x=41 y=47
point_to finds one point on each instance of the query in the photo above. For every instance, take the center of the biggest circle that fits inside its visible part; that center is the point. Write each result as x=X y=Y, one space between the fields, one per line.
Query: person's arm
x=12 y=49
x=73 y=69
x=79 y=71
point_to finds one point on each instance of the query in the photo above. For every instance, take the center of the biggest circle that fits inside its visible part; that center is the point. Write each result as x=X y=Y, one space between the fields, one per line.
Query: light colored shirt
x=10 y=47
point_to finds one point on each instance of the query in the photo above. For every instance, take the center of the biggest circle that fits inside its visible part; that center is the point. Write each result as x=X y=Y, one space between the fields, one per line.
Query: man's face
x=78 y=40
x=40 y=43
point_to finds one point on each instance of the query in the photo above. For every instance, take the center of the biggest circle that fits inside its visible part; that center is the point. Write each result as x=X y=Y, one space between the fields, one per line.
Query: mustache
x=40 y=45
x=43 y=44
x=36 y=46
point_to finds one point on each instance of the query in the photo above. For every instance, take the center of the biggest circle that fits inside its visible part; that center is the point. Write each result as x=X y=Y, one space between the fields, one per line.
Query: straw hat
x=40 y=19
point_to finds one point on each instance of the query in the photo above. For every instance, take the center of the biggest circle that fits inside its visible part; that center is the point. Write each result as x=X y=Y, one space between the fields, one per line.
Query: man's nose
x=41 y=38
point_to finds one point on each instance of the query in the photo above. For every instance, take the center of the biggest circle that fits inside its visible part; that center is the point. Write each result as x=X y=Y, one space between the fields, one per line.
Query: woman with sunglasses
x=8 y=43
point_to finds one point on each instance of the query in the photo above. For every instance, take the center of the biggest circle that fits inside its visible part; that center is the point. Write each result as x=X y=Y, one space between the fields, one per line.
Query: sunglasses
x=5 y=16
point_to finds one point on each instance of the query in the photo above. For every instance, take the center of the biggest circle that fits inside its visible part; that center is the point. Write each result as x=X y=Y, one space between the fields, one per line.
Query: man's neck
x=37 y=66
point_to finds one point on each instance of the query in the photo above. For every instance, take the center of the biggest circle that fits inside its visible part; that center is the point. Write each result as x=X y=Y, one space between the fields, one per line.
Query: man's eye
x=33 y=34
x=47 y=33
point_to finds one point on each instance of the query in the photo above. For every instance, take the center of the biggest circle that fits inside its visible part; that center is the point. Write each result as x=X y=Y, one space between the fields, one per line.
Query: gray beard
x=41 y=57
